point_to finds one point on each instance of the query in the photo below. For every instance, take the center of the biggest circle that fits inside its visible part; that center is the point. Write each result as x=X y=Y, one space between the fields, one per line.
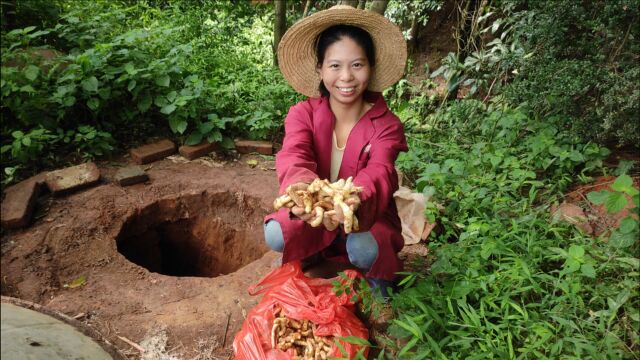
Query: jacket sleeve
x=379 y=178
x=297 y=161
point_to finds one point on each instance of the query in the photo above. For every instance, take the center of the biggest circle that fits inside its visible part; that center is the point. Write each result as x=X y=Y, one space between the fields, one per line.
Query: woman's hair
x=336 y=33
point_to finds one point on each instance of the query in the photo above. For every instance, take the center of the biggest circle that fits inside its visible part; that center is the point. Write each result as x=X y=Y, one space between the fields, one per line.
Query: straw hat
x=297 y=49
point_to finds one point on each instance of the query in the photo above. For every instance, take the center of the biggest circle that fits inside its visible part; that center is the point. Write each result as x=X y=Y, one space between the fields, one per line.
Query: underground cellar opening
x=225 y=235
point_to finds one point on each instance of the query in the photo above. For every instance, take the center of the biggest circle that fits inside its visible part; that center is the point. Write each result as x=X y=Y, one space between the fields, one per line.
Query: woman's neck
x=348 y=113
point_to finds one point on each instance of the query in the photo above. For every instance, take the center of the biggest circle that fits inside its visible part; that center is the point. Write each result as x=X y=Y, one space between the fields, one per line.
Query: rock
x=131 y=175
x=72 y=178
x=195 y=151
x=573 y=214
x=152 y=152
x=19 y=202
x=250 y=146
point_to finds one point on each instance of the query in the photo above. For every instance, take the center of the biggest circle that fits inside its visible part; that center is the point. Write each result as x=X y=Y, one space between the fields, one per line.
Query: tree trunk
x=307 y=8
x=379 y=6
x=362 y=4
x=352 y=3
x=413 y=42
x=279 y=27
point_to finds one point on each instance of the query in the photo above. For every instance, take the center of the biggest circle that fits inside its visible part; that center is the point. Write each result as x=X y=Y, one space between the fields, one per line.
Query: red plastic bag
x=300 y=298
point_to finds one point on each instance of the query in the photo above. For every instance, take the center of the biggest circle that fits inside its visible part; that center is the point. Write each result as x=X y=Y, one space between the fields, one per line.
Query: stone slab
x=131 y=175
x=251 y=146
x=72 y=178
x=195 y=151
x=19 y=202
x=152 y=152
x=27 y=334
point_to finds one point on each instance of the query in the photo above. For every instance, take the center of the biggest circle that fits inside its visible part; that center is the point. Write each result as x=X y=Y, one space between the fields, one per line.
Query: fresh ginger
x=320 y=199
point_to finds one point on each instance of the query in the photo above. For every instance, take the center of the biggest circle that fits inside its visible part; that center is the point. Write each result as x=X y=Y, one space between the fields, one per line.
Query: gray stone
x=131 y=175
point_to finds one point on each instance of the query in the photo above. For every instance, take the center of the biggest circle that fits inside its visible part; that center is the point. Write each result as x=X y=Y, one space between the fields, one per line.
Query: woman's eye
x=333 y=66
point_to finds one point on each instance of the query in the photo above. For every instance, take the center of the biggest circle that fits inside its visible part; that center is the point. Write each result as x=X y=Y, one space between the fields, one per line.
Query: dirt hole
x=204 y=235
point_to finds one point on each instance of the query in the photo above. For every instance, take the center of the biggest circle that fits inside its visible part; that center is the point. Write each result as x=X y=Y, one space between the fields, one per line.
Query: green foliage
x=506 y=280
x=626 y=234
x=584 y=65
x=124 y=69
x=24 y=13
x=489 y=67
x=404 y=12
x=562 y=57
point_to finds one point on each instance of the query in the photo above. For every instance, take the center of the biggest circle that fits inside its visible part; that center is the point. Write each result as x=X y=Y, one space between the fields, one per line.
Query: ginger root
x=322 y=197
x=297 y=336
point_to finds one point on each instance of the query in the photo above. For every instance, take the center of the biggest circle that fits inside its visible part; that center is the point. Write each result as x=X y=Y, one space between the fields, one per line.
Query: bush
x=505 y=278
x=583 y=66
x=204 y=70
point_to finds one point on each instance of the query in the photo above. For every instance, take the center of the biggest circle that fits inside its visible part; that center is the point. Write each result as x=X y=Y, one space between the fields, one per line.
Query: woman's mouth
x=346 y=90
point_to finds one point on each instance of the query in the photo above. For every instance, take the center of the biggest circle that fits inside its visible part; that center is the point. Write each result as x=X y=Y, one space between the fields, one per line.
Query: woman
x=342 y=58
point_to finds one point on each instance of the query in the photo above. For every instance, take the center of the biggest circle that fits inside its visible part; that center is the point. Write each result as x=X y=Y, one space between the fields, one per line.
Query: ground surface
x=165 y=264
x=219 y=208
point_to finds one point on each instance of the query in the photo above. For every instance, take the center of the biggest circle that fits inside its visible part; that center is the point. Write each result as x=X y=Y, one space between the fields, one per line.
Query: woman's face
x=345 y=71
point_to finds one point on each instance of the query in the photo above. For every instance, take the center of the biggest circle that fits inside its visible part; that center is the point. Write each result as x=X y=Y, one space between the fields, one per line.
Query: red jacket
x=371 y=150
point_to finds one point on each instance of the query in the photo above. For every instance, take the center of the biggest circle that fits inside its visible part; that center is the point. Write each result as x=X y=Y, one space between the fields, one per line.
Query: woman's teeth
x=347 y=90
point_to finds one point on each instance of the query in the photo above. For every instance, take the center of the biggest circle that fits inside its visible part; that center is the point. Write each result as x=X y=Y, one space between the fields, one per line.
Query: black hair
x=336 y=33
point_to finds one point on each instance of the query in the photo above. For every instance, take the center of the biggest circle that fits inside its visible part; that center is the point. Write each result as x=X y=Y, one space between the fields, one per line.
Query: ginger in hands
x=323 y=202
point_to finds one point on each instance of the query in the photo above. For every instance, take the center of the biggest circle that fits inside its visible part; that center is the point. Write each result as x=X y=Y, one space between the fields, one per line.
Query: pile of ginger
x=297 y=337
x=325 y=202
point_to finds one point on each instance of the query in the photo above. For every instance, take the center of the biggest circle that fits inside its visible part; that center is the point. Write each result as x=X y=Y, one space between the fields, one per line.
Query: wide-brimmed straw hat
x=297 y=49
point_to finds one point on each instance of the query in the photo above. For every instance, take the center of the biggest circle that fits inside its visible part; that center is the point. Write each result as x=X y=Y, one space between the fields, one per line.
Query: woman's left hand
x=353 y=201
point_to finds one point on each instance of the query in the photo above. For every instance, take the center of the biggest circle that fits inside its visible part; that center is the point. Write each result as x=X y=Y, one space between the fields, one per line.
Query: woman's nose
x=346 y=74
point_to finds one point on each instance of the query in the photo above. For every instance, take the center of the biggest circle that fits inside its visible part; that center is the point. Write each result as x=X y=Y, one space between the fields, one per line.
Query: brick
x=72 y=178
x=131 y=175
x=195 y=151
x=152 y=152
x=20 y=201
x=250 y=146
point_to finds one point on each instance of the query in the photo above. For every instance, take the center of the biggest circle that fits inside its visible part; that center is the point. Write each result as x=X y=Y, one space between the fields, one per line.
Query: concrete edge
x=115 y=353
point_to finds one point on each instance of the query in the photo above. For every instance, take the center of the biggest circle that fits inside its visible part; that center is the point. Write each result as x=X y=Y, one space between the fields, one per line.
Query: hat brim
x=297 y=53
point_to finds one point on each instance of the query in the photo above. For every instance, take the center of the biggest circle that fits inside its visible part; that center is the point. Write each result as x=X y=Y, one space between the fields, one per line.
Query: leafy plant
x=627 y=233
x=504 y=278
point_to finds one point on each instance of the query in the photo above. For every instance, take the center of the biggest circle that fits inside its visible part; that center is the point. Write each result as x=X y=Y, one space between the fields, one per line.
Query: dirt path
x=96 y=232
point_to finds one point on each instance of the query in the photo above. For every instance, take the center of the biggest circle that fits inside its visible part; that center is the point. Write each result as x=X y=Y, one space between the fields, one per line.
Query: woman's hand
x=299 y=212
x=353 y=201
x=330 y=221
x=298 y=208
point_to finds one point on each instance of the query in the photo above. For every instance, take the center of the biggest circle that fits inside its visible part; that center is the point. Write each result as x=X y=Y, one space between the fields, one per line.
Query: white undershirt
x=336 y=158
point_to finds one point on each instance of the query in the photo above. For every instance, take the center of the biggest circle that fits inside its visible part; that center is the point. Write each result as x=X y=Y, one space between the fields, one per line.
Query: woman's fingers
x=353 y=201
x=339 y=214
x=300 y=213
x=297 y=210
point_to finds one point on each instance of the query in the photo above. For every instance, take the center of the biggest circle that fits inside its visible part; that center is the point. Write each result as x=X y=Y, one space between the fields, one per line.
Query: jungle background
x=509 y=106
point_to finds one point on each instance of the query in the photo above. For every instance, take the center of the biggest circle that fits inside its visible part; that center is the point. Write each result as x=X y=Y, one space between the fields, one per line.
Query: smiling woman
x=343 y=130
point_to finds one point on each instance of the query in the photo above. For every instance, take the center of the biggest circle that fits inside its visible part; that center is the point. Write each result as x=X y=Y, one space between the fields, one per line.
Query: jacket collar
x=359 y=137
